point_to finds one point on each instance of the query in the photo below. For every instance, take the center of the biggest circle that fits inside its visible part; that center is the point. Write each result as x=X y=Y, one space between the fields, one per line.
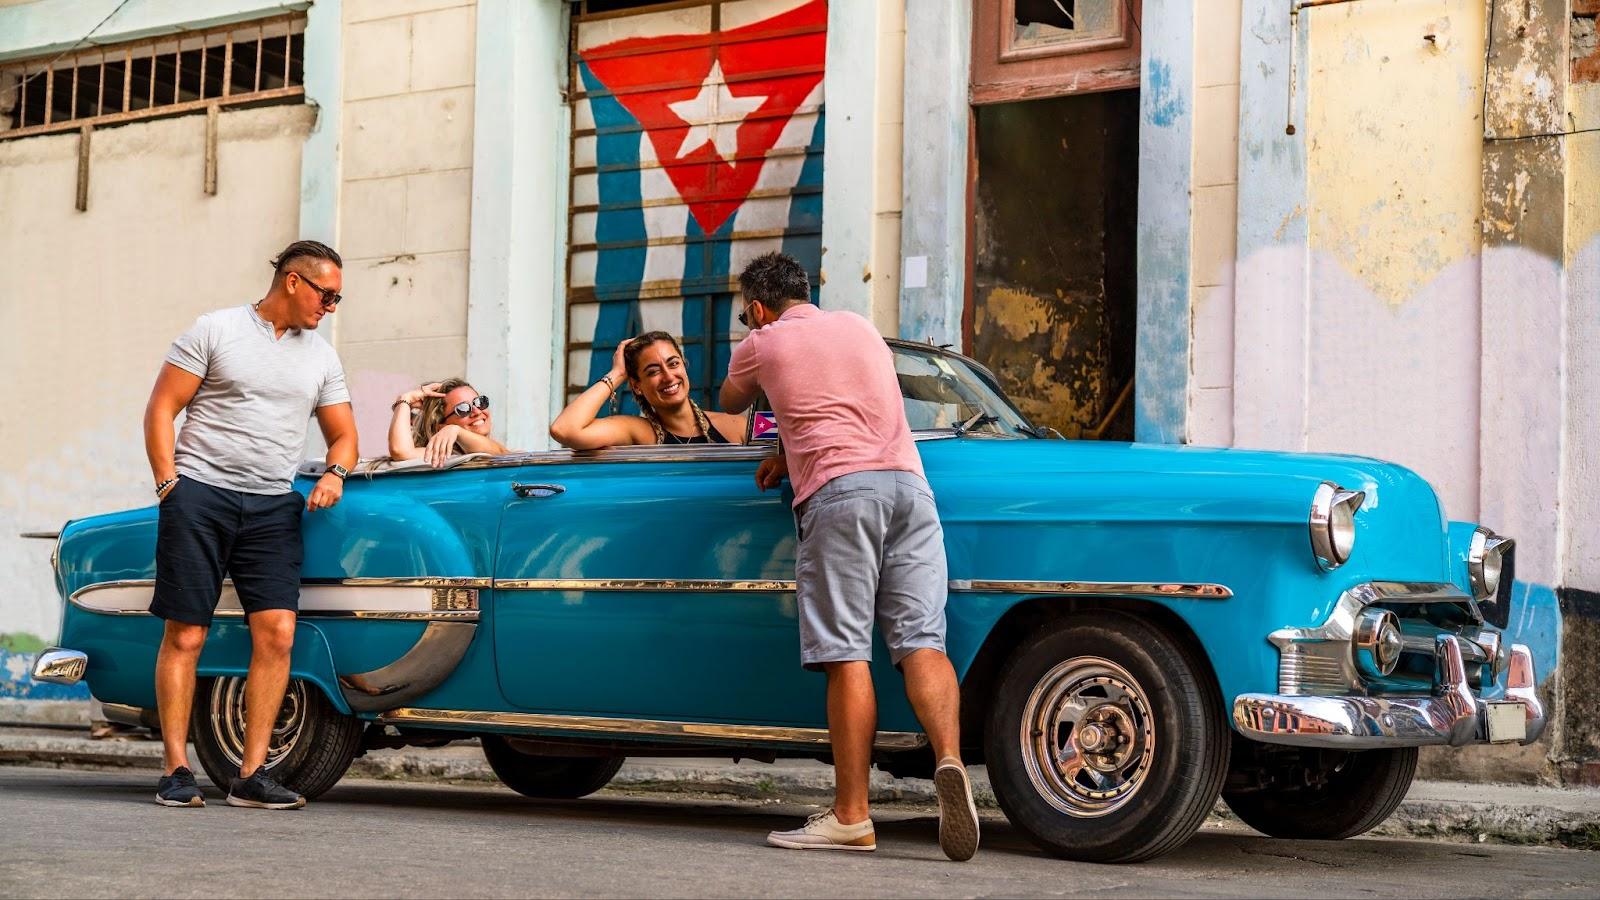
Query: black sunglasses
x=465 y=407
x=329 y=298
x=744 y=317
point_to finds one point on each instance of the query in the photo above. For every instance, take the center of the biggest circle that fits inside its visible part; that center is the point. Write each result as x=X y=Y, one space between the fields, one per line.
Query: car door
x=651 y=583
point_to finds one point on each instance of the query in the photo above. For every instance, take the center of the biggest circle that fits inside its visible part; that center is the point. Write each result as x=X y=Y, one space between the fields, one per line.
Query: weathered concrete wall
x=1409 y=284
x=861 y=194
x=1216 y=199
x=90 y=301
x=406 y=206
x=1577 y=743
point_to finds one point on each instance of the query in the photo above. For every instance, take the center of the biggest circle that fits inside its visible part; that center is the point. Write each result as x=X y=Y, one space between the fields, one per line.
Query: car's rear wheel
x=311 y=746
x=548 y=777
x=1106 y=741
x=1351 y=794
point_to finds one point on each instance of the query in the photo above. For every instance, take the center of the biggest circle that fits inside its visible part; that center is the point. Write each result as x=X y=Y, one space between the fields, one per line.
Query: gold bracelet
x=609 y=386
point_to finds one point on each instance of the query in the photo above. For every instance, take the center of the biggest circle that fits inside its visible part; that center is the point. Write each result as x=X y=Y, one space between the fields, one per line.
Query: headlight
x=1485 y=561
x=1333 y=524
x=1377 y=642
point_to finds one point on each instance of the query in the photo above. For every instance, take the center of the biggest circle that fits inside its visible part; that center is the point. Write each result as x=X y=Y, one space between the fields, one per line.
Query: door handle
x=536 y=490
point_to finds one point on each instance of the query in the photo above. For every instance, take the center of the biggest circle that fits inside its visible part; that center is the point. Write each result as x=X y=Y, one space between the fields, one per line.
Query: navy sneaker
x=259 y=791
x=179 y=789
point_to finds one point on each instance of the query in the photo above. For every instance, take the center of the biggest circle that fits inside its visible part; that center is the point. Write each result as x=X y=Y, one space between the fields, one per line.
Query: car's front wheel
x=548 y=777
x=311 y=746
x=1344 y=795
x=1106 y=741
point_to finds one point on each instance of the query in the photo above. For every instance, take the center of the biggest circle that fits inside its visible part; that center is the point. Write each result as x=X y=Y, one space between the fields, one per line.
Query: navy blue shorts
x=207 y=531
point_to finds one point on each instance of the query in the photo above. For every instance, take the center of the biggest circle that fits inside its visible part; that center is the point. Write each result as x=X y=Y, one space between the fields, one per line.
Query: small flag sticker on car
x=765 y=427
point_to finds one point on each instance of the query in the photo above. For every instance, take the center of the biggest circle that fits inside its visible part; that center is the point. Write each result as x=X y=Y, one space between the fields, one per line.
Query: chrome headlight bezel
x=1485 y=562
x=1333 y=525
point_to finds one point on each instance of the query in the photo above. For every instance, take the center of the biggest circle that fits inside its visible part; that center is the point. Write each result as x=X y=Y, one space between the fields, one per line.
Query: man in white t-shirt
x=249 y=378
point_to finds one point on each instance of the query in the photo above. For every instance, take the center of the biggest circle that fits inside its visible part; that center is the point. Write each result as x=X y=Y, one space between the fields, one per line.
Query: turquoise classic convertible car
x=1138 y=629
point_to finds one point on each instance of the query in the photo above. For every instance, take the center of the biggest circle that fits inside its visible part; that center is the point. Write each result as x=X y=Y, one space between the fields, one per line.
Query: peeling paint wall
x=1416 y=279
x=1394 y=158
x=91 y=300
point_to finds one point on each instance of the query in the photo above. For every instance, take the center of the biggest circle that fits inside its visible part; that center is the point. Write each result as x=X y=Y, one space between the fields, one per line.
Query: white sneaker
x=823 y=832
x=958 y=815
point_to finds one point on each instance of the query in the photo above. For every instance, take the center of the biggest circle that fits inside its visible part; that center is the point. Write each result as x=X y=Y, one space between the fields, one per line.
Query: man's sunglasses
x=465 y=407
x=329 y=298
x=744 y=317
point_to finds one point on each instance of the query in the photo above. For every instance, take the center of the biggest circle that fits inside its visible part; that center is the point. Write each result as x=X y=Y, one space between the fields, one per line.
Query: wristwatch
x=338 y=470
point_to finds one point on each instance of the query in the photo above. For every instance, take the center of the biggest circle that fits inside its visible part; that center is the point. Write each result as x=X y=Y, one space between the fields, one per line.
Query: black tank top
x=712 y=436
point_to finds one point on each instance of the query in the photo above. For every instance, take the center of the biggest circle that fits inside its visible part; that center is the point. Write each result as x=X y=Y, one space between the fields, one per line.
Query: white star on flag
x=714 y=115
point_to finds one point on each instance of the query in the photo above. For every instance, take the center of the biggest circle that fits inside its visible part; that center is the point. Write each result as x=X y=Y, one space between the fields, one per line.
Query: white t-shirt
x=245 y=429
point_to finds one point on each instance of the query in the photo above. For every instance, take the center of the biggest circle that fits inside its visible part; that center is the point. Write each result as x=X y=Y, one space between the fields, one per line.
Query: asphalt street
x=98 y=834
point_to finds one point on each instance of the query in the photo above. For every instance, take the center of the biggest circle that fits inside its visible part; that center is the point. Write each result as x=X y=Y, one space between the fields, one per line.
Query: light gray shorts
x=871 y=548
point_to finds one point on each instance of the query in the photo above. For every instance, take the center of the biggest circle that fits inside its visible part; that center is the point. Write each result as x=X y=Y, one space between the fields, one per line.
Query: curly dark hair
x=630 y=362
x=303 y=250
x=776 y=281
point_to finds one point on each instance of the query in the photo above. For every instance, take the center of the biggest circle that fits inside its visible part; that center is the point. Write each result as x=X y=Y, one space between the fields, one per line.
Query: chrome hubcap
x=227 y=720
x=1088 y=738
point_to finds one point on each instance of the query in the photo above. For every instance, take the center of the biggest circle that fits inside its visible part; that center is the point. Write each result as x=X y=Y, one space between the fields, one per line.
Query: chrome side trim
x=665 y=585
x=1450 y=716
x=58 y=665
x=1073 y=588
x=448 y=599
x=1094 y=588
x=692 y=732
x=403 y=581
x=428 y=663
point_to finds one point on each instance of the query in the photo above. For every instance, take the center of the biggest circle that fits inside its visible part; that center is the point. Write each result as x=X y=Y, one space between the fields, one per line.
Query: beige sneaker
x=823 y=832
x=958 y=815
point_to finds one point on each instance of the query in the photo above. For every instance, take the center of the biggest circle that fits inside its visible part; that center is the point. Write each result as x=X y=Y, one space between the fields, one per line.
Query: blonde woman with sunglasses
x=439 y=420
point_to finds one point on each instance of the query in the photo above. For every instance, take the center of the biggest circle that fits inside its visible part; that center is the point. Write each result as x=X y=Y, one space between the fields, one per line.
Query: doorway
x=1052 y=307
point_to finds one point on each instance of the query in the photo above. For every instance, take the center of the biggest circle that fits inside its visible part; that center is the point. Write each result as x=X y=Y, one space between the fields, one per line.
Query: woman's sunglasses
x=465 y=407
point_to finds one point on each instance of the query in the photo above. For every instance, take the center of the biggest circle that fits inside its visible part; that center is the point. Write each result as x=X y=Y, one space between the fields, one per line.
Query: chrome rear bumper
x=1451 y=715
x=60 y=666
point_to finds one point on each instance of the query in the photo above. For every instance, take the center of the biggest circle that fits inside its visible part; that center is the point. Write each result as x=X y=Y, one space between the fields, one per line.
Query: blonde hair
x=433 y=413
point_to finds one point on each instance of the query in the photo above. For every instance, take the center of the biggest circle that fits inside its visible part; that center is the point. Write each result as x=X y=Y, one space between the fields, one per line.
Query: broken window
x=252 y=63
x=1049 y=23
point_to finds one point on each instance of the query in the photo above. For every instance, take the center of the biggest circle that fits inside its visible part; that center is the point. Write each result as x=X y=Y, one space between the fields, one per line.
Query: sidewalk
x=1439 y=810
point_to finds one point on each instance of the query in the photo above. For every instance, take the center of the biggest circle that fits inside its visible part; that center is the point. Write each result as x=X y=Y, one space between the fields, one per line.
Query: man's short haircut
x=776 y=280
x=303 y=250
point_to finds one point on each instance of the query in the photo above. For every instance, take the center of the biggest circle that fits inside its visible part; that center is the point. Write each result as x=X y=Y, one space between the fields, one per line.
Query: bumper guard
x=1450 y=716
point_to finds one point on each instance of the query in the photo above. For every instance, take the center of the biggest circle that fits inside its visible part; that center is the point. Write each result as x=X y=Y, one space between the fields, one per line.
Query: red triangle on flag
x=712 y=135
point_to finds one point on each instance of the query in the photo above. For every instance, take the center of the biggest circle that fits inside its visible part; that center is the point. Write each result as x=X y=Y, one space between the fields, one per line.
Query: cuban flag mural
x=697 y=146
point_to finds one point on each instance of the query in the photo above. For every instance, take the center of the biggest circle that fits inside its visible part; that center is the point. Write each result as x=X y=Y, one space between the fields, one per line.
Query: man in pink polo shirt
x=871 y=547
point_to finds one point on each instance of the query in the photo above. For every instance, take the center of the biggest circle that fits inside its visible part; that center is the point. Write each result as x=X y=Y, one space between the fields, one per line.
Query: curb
x=1449 y=811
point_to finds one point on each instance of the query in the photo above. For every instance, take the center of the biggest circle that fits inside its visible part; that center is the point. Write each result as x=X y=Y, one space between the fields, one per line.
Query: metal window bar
x=22 y=114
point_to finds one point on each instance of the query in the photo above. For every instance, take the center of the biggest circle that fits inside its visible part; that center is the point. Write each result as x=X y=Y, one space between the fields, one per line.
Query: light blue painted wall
x=516 y=323
x=319 y=161
x=1166 y=137
x=933 y=225
x=51 y=26
x=1271 y=286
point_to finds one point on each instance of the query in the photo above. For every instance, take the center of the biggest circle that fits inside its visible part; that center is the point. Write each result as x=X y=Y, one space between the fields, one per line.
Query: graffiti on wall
x=697 y=146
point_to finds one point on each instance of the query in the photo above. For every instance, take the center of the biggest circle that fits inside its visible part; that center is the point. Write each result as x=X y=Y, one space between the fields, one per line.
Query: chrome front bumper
x=60 y=666
x=1451 y=715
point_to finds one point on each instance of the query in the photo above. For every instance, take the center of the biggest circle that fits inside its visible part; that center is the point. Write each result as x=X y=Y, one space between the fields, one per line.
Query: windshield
x=943 y=391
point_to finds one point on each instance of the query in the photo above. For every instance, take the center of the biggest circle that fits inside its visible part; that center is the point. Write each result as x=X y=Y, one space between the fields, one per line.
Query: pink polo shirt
x=830 y=379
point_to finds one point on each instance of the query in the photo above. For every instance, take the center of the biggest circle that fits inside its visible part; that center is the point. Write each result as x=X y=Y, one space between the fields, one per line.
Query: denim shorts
x=871 y=549
x=206 y=531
